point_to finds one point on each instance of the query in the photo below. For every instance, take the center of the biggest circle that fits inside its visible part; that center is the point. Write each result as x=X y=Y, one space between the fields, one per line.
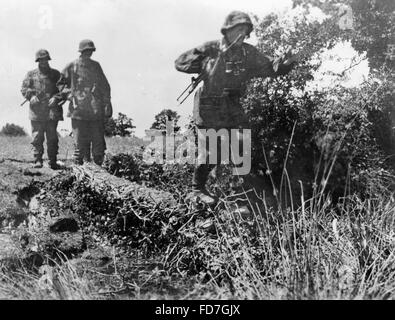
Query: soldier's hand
x=108 y=110
x=34 y=100
x=53 y=102
x=291 y=58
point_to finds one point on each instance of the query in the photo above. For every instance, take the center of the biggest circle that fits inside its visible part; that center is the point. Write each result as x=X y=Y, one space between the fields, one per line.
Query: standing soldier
x=84 y=84
x=225 y=66
x=39 y=87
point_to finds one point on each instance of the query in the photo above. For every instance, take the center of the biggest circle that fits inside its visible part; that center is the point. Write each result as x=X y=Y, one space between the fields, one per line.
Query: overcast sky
x=137 y=43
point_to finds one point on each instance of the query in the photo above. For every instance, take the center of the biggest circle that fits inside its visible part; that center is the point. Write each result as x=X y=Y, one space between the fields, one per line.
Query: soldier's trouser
x=202 y=170
x=88 y=135
x=225 y=146
x=215 y=112
x=40 y=131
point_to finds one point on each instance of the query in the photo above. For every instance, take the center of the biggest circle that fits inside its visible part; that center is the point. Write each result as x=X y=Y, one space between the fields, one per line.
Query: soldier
x=226 y=65
x=84 y=84
x=39 y=87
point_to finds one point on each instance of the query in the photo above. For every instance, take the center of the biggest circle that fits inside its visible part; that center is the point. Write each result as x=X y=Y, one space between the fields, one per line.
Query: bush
x=337 y=138
x=121 y=126
x=12 y=130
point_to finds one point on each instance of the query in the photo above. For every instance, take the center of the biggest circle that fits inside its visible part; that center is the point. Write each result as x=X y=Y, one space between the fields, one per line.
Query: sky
x=137 y=43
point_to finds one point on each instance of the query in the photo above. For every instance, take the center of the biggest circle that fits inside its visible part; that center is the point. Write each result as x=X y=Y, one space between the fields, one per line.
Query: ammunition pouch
x=231 y=93
x=219 y=111
x=213 y=101
x=218 y=100
x=56 y=113
x=87 y=105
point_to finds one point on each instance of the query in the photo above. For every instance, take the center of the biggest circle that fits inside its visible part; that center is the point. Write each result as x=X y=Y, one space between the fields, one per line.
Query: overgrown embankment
x=152 y=240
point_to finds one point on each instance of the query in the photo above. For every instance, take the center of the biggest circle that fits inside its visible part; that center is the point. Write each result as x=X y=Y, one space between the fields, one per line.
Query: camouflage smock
x=84 y=80
x=42 y=85
x=217 y=103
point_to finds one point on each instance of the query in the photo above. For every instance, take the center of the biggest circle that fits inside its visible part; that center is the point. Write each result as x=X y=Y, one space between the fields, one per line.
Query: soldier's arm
x=104 y=85
x=27 y=90
x=55 y=79
x=64 y=84
x=191 y=61
x=263 y=66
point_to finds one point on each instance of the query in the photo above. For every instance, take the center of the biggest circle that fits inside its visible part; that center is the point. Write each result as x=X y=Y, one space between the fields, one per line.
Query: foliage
x=373 y=26
x=336 y=136
x=121 y=126
x=12 y=130
x=316 y=251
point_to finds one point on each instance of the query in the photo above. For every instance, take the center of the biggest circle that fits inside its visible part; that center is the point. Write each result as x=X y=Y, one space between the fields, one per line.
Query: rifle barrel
x=195 y=81
x=179 y=97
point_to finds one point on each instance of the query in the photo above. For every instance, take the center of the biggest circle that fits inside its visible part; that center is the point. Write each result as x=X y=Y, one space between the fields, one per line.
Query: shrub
x=336 y=137
x=121 y=126
x=12 y=130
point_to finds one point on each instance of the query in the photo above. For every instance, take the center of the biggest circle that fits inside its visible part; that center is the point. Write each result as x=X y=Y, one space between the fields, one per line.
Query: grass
x=19 y=148
x=302 y=254
x=317 y=250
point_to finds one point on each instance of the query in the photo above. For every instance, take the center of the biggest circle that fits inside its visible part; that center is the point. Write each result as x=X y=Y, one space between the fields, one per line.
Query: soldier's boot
x=78 y=157
x=199 y=191
x=98 y=159
x=38 y=163
x=242 y=210
x=203 y=196
x=52 y=145
x=54 y=165
x=98 y=142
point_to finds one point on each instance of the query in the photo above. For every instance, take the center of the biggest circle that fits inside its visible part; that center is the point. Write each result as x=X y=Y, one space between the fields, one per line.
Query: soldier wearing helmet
x=227 y=65
x=84 y=84
x=39 y=87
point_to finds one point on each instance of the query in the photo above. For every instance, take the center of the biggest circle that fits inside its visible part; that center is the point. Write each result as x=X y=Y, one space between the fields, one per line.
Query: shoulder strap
x=73 y=73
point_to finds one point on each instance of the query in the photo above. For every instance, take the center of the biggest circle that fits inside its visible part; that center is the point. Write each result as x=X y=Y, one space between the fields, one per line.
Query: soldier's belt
x=211 y=100
x=217 y=100
x=232 y=93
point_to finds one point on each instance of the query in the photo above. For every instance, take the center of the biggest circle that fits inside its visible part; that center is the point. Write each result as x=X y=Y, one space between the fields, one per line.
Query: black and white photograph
x=180 y=151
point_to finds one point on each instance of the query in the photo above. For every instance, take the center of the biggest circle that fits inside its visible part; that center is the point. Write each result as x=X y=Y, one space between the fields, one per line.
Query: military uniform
x=44 y=118
x=226 y=72
x=83 y=83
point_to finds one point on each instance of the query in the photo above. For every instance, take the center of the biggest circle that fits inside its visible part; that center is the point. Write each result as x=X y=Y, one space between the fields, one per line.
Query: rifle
x=202 y=76
x=39 y=96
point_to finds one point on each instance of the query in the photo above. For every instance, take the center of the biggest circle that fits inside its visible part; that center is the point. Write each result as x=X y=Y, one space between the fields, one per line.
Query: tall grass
x=317 y=250
x=309 y=249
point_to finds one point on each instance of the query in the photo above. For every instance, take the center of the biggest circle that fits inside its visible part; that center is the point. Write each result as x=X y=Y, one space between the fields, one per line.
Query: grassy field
x=19 y=148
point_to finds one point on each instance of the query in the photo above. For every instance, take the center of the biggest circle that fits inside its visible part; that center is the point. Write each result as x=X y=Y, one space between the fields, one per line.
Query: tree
x=121 y=126
x=164 y=116
x=337 y=132
x=373 y=26
x=12 y=130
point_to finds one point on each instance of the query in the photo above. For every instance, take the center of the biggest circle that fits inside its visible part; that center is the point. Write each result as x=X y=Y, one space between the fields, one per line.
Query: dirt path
x=16 y=179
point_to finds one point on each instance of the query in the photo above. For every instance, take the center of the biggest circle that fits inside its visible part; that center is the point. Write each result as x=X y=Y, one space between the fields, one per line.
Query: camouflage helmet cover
x=42 y=54
x=235 y=18
x=86 y=45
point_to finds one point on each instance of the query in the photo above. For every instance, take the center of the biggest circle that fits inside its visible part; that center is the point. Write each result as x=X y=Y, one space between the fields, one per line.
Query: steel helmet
x=86 y=45
x=42 y=54
x=235 y=18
